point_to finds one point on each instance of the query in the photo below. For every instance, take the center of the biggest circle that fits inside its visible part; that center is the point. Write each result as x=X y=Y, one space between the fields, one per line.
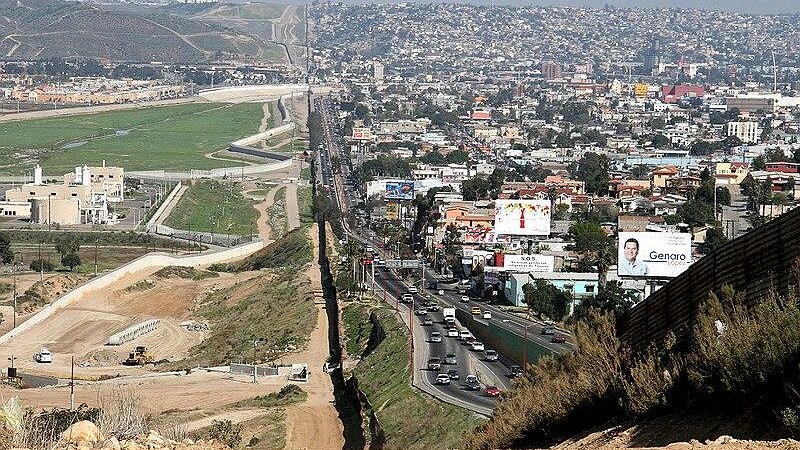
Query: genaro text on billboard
x=400 y=190
x=655 y=255
x=522 y=217
x=528 y=263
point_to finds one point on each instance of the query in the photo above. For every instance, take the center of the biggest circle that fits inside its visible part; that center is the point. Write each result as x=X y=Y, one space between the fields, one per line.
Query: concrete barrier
x=133 y=331
x=224 y=172
x=155 y=260
x=272 y=132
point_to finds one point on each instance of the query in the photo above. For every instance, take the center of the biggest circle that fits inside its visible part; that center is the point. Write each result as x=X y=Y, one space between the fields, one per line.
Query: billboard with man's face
x=399 y=190
x=522 y=217
x=654 y=255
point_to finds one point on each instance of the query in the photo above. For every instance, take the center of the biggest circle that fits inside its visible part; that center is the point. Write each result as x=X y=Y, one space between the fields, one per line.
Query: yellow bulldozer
x=139 y=356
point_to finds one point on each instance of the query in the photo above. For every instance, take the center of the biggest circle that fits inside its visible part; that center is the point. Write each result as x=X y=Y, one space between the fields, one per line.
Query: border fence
x=754 y=264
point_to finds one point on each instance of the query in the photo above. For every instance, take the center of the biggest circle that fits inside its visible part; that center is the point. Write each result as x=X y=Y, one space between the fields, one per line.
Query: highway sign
x=404 y=263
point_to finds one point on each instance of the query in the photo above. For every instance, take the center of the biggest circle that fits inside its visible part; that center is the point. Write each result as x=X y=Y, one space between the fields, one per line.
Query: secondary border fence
x=760 y=262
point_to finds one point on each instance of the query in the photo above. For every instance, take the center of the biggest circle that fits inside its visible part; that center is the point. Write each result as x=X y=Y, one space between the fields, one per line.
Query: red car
x=558 y=339
x=492 y=391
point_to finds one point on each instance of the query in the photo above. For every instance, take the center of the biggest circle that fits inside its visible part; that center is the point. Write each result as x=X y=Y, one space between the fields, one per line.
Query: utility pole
x=96 y=241
x=14 y=269
x=72 y=384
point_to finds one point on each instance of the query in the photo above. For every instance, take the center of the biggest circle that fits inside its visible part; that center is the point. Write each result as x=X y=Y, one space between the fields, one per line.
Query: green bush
x=41 y=265
x=226 y=432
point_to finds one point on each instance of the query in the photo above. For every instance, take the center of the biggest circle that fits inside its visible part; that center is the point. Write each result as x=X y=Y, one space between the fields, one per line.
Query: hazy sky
x=750 y=6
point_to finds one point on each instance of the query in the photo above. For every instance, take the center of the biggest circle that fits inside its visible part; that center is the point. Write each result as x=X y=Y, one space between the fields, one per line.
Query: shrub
x=41 y=265
x=226 y=432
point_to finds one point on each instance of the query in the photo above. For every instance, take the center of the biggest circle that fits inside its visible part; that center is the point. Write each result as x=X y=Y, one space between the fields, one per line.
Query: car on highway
x=412 y=289
x=469 y=340
x=451 y=359
x=436 y=337
x=421 y=311
x=443 y=378
x=452 y=332
x=475 y=310
x=515 y=371
x=426 y=321
x=477 y=346
x=490 y=355
x=464 y=299
x=547 y=329
x=433 y=307
x=487 y=315
x=558 y=339
x=471 y=383
x=453 y=374
x=492 y=391
x=407 y=298
x=463 y=334
x=434 y=363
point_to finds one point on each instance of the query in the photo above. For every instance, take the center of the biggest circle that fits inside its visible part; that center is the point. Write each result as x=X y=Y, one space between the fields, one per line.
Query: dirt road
x=317 y=413
x=292 y=207
x=264 y=230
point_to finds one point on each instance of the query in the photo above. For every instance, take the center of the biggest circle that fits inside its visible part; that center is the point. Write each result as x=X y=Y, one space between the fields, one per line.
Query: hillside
x=54 y=28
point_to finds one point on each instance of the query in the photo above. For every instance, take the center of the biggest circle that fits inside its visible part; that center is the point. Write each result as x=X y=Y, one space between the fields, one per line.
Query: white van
x=44 y=356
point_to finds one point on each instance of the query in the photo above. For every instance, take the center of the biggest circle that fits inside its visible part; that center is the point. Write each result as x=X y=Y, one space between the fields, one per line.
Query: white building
x=748 y=132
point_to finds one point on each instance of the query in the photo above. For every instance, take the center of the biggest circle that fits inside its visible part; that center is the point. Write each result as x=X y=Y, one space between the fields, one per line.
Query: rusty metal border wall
x=755 y=263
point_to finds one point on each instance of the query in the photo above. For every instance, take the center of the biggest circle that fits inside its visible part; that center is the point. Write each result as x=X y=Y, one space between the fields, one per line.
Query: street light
x=255 y=370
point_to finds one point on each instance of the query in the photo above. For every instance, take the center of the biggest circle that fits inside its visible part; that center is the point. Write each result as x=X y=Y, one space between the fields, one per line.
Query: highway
x=389 y=286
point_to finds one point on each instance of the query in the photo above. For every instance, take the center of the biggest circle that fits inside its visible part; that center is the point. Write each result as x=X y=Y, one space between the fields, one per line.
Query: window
x=52 y=194
x=110 y=176
x=590 y=288
x=74 y=194
x=32 y=193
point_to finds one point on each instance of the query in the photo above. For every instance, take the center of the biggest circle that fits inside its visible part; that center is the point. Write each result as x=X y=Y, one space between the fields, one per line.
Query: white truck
x=44 y=356
x=449 y=316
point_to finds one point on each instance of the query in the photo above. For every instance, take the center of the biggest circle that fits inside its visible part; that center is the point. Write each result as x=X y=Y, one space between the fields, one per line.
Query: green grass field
x=214 y=207
x=169 y=137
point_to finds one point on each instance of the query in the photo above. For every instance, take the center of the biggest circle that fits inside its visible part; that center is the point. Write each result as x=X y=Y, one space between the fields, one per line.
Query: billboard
x=655 y=255
x=483 y=235
x=400 y=190
x=528 y=263
x=522 y=217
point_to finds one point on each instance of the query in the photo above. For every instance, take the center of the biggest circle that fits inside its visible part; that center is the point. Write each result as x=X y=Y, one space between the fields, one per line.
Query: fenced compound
x=761 y=261
x=133 y=331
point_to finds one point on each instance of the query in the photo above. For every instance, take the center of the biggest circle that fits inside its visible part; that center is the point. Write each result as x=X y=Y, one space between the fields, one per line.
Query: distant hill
x=55 y=28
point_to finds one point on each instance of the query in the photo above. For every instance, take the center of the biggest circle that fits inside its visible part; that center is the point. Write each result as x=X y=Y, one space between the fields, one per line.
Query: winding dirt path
x=315 y=423
x=264 y=230
x=233 y=416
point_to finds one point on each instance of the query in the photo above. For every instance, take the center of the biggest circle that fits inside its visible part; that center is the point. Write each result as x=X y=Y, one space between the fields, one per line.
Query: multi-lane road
x=389 y=286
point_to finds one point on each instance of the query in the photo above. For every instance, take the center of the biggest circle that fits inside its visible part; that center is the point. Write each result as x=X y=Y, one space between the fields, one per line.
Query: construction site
x=140 y=328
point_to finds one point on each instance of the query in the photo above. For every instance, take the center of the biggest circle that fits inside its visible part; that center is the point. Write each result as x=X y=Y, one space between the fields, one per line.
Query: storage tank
x=37 y=175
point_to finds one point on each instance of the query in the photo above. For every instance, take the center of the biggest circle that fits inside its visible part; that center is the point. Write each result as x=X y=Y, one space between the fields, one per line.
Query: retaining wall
x=510 y=344
x=148 y=261
x=224 y=172
x=272 y=132
x=224 y=240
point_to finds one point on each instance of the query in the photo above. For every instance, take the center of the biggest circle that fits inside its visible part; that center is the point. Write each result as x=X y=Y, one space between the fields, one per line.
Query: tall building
x=652 y=57
x=551 y=70
x=377 y=71
x=748 y=132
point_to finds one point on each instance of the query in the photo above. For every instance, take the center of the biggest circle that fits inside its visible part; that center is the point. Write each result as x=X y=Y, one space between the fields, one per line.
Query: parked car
x=452 y=332
x=491 y=355
x=427 y=321
x=492 y=391
x=471 y=383
x=515 y=371
x=436 y=337
x=475 y=310
x=487 y=315
x=453 y=374
x=44 y=356
x=434 y=363
x=451 y=359
x=464 y=299
x=478 y=346
x=558 y=339
x=463 y=334
x=443 y=378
